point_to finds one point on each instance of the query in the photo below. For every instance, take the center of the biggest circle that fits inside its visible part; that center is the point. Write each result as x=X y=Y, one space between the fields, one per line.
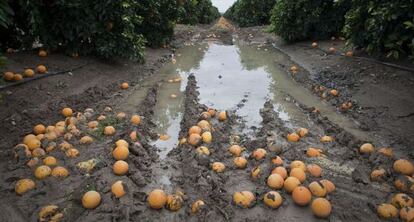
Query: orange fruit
x=91 y=199
x=60 y=172
x=275 y=181
x=366 y=148
x=321 y=207
x=313 y=152
x=317 y=189
x=42 y=53
x=302 y=132
x=135 y=119
x=293 y=137
x=42 y=172
x=39 y=129
x=314 y=170
x=118 y=189
x=8 y=76
x=277 y=161
x=290 y=184
x=218 y=167
x=273 y=199
x=222 y=116
x=259 y=154
x=334 y=92
x=124 y=85
x=330 y=187
x=157 y=199
x=314 y=45
x=206 y=137
x=120 y=167
x=195 y=207
x=402 y=200
x=387 y=211
x=298 y=173
x=298 y=164
x=301 y=196
x=17 y=77
x=41 y=69
x=244 y=199
x=194 y=139
x=29 y=73
x=24 y=185
x=194 y=130
x=109 y=130
x=240 y=162
x=120 y=153
x=67 y=112
x=402 y=166
x=236 y=150
x=281 y=171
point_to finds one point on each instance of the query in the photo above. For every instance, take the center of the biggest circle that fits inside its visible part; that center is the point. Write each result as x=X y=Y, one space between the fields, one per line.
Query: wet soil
x=248 y=78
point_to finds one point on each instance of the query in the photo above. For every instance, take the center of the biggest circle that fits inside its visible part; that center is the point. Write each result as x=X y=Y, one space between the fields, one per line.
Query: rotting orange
x=317 y=189
x=377 y=175
x=259 y=154
x=174 y=202
x=326 y=139
x=313 y=152
x=302 y=132
x=244 y=199
x=387 y=211
x=330 y=187
x=402 y=200
x=118 y=189
x=24 y=185
x=218 y=167
x=60 y=171
x=273 y=199
x=256 y=172
x=196 y=206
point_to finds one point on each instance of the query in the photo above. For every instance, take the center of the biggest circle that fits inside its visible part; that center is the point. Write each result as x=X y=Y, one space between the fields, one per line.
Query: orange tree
x=381 y=26
x=250 y=12
x=197 y=11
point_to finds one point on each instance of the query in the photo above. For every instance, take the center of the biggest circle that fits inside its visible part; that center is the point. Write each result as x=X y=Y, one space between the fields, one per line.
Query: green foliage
x=197 y=11
x=308 y=19
x=159 y=19
x=382 y=26
x=250 y=12
x=5 y=14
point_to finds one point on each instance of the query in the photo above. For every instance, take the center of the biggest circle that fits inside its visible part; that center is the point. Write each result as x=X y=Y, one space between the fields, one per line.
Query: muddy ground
x=382 y=105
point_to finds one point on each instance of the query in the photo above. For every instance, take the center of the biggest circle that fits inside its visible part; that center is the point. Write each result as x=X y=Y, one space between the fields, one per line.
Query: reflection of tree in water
x=191 y=57
x=251 y=58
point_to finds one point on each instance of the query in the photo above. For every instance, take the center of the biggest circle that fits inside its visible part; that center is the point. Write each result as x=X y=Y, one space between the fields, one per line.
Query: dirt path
x=248 y=78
